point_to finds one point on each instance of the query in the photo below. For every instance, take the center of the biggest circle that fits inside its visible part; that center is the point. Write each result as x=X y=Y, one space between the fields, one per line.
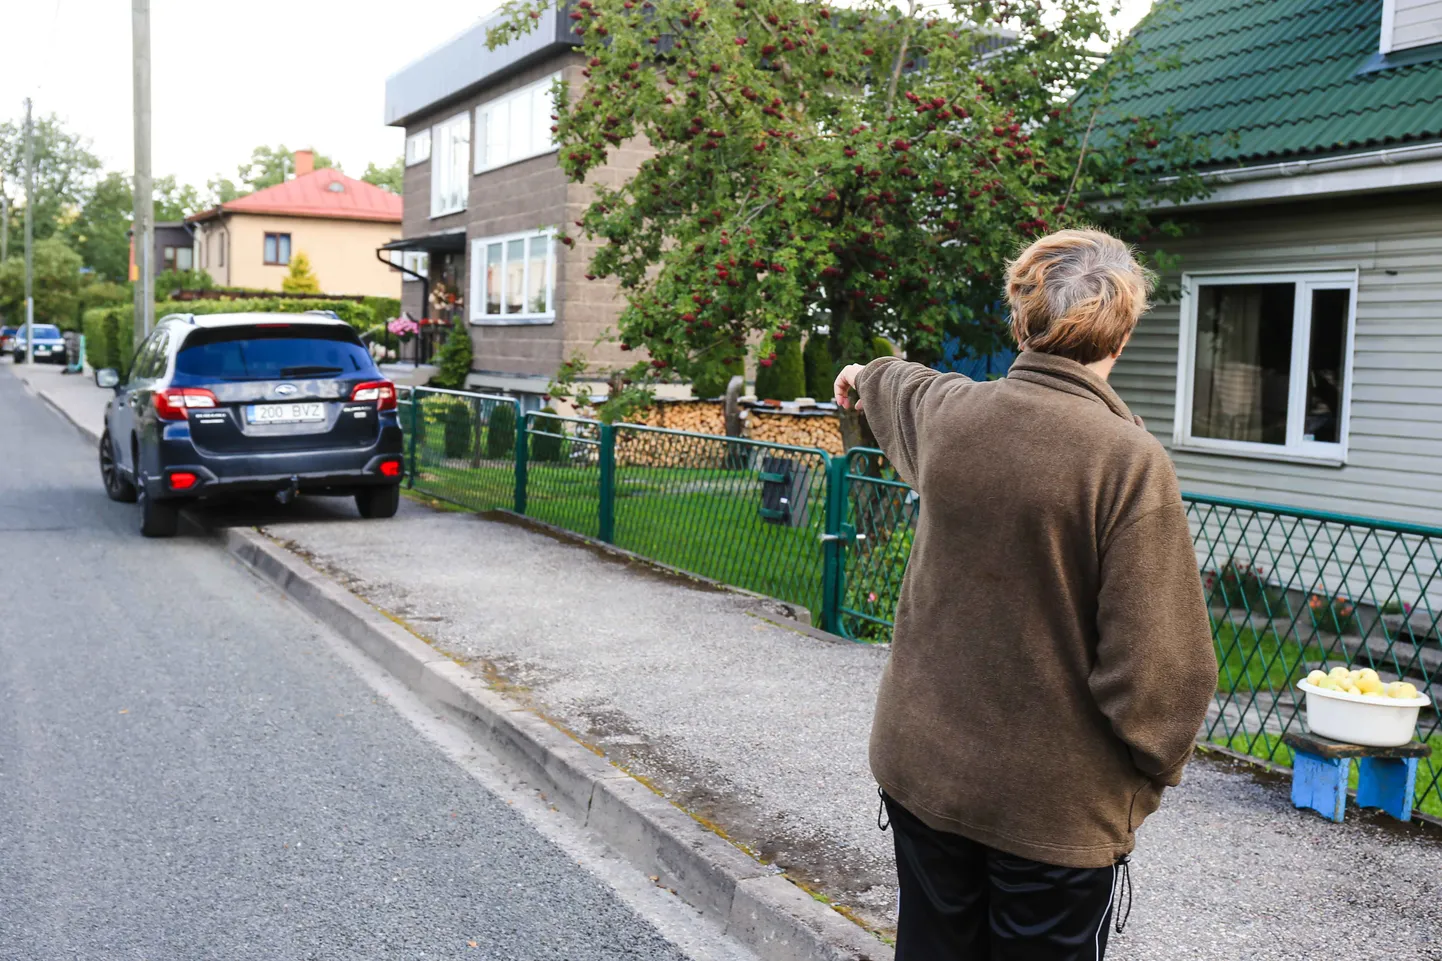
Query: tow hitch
x=287 y=494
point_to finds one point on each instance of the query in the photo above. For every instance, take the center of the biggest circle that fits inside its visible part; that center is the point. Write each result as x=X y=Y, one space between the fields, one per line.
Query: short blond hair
x=1077 y=294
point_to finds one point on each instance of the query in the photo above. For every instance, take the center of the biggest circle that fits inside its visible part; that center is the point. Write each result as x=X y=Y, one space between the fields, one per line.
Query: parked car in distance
x=49 y=345
x=7 y=339
x=241 y=403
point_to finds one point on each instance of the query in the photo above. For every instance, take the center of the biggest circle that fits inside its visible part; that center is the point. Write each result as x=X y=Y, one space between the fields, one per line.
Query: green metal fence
x=738 y=511
x=462 y=446
x=880 y=521
x=1289 y=591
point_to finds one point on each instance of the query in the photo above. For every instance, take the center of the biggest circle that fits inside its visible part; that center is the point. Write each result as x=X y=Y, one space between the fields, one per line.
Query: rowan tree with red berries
x=862 y=169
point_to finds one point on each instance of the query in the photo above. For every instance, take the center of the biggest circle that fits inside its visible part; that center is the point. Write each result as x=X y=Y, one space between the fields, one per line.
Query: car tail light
x=390 y=468
x=182 y=480
x=171 y=404
x=383 y=392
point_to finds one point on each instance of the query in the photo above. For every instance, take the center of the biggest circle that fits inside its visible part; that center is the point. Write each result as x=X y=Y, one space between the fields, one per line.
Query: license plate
x=285 y=413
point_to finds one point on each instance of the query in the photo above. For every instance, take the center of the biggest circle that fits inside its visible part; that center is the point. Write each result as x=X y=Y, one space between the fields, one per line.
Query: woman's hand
x=845 y=381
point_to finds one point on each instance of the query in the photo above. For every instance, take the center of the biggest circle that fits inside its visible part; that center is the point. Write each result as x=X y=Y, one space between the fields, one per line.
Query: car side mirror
x=108 y=377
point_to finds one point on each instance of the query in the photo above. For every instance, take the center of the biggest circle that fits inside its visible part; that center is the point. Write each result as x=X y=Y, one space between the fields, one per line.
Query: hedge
x=109 y=330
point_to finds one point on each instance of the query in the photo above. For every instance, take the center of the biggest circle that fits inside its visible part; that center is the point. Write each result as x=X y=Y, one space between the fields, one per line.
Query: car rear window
x=271 y=353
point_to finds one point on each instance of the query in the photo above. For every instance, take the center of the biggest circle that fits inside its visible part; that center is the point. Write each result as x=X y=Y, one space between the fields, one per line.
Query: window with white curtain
x=418 y=147
x=450 y=159
x=1265 y=365
x=513 y=279
x=515 y=126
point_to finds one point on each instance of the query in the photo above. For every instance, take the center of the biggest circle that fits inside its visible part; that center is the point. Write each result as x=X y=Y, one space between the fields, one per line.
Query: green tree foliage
x=390 y=178
x=820 y=369
x=300 y=280
x=100 y=233
x=782 y=375
x=222 y=190
x=454 y=359
x=104 y=294
x=174 y=200
x=56 y=287
x=856 y=167
x=713 y=381
x=65 y=173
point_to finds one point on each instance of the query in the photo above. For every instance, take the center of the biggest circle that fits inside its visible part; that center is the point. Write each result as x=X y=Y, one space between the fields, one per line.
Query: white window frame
x=478 y=281
x=1297 y=448
x=418 y=147
x=440 y=169
x=485 y=113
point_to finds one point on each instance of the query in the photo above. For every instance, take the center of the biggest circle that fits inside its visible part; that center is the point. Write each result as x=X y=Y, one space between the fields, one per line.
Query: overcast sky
x=228 y=76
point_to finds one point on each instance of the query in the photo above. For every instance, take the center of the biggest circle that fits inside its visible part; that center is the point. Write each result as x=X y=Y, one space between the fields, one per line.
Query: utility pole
x=29 y=237
x=144 y=222
x=4 y=227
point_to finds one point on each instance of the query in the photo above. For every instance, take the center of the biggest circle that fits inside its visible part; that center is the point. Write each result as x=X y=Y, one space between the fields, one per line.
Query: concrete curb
x=760 y=908
x=44 y=396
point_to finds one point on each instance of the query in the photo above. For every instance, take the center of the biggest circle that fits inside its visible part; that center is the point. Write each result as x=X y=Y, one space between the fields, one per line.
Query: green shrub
x=881 y=347
x=168 y=282
x=785 y=377
x=820 y=368
x=454 y=359
x=382 y=309
x=501 y=432
x=98 y=326
x=547 y=447
x=454 y=418
x=713 y=381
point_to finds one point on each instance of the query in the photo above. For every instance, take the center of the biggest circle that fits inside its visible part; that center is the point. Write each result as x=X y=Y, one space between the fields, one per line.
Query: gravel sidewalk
x=763 y=731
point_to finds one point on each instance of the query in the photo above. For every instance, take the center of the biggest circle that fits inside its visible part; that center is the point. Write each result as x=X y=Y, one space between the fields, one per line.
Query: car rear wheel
x=379 y=501
x=158 y=518
x=117 y=488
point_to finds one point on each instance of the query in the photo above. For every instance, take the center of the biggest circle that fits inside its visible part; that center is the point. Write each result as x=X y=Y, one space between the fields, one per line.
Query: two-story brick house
x=484 y=198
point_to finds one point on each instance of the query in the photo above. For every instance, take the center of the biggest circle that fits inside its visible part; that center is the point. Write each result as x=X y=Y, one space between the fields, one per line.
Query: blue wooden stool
x=1386 y=776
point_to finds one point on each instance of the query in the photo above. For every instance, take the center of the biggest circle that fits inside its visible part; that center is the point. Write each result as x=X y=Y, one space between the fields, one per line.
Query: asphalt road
x=191 y=768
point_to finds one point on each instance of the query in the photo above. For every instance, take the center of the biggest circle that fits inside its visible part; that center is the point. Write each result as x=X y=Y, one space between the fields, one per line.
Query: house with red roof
x=338 y=221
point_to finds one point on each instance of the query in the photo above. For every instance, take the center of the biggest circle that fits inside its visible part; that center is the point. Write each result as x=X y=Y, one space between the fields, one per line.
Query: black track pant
x=964 y=901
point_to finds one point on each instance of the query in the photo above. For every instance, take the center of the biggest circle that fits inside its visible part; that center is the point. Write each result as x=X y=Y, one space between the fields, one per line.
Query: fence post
x=523 y=454
x=833 y=557
x=415 y=428
x=607 y=521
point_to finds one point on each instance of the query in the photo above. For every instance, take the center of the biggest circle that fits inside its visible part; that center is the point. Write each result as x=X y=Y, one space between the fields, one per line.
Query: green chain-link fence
x=462 y=446
x=1289 y=591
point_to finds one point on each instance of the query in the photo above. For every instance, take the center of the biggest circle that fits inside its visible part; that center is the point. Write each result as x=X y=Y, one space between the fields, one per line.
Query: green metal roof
x=1287 y=78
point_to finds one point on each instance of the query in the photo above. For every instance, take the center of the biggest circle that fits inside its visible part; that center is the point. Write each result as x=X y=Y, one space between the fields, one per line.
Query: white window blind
x=450 y=157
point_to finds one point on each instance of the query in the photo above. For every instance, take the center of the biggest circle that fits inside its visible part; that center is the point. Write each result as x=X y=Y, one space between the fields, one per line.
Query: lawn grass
x=1248 y=660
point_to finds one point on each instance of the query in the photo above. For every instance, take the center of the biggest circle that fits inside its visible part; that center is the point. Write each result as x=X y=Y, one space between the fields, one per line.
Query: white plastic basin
x=1355 y=719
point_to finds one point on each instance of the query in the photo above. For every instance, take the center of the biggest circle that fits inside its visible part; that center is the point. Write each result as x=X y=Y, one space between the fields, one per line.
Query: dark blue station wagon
x=232 y=403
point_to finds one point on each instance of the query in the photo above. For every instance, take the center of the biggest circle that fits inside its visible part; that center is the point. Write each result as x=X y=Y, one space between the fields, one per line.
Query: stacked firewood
x=816 y=429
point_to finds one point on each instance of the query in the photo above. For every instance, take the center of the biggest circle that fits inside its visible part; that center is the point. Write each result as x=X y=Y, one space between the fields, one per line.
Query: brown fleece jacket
x=1052 y=658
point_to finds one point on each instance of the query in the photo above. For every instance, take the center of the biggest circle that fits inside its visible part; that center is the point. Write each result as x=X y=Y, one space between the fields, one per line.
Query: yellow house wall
x=342 y=253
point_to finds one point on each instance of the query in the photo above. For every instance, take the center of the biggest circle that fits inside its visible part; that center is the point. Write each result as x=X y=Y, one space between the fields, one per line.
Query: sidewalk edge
x=756 y=905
